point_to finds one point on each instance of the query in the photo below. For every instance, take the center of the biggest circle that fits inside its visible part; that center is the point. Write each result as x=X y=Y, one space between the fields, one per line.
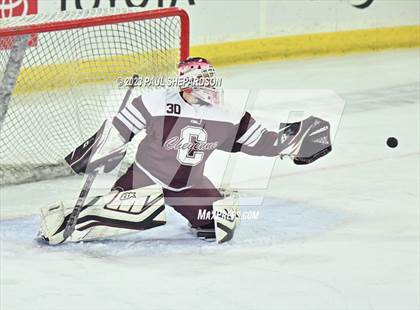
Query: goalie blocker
x=103 y=151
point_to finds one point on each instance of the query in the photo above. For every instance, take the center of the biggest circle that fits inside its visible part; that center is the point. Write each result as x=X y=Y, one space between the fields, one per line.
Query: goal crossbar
x=35 y=28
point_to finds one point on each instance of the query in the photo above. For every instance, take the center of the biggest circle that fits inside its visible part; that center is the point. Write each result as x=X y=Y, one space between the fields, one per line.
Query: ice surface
x=342 y=233
x=276 y=221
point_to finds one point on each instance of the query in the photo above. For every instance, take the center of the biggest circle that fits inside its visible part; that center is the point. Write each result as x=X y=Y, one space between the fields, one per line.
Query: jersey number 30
x=173 y=108
x=188 y=156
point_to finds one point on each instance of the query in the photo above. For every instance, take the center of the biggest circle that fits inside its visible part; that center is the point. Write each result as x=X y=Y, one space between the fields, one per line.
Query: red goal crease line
x=100 y=21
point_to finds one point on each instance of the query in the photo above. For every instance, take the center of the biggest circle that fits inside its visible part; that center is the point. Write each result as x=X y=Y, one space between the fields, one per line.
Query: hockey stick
x=71 y=223
x=11 y=73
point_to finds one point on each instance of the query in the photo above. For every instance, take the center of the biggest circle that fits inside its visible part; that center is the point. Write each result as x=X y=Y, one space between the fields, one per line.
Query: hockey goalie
x=183 y=127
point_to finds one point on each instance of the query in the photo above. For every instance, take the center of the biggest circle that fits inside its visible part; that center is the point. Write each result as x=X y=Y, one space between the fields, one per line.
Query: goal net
x=69 y=79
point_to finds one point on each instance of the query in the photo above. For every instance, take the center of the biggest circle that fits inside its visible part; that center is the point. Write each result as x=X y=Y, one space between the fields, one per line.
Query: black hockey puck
x=392 y=142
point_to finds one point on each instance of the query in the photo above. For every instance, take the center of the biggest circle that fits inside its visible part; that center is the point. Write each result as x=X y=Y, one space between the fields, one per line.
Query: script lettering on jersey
x=190 y=145
x=176 y=143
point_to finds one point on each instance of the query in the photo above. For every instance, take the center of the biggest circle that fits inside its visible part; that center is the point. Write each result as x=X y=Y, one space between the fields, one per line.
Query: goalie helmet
x=200 y=80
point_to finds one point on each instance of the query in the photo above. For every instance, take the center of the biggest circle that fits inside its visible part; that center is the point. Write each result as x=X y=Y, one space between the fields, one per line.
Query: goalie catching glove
x=305 y=141
x=104 y=150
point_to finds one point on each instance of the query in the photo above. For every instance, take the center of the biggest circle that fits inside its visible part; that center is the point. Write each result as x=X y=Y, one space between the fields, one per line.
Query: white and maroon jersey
x=180 y=137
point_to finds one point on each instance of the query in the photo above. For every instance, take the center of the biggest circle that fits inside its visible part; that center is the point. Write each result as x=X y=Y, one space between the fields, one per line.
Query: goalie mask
x=200 y=80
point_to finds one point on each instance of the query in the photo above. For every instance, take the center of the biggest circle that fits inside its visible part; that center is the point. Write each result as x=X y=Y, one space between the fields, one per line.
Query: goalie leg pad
x=104 y=216
x=226 y=216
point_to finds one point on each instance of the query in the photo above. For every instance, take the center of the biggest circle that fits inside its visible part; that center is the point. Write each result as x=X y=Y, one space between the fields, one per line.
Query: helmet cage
x=200 y=80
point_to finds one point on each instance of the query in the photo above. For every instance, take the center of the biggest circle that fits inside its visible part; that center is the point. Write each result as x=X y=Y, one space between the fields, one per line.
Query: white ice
x=342 y=233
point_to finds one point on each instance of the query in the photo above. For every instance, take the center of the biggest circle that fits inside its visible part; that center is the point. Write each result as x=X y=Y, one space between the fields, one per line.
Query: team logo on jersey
x=12 y=8
x=190 y=145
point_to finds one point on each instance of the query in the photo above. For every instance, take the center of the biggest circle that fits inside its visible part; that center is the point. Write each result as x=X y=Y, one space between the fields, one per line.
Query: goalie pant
x=189 y=202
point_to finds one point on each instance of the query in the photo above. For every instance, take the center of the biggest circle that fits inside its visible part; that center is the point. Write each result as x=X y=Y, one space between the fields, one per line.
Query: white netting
x=68 y=85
